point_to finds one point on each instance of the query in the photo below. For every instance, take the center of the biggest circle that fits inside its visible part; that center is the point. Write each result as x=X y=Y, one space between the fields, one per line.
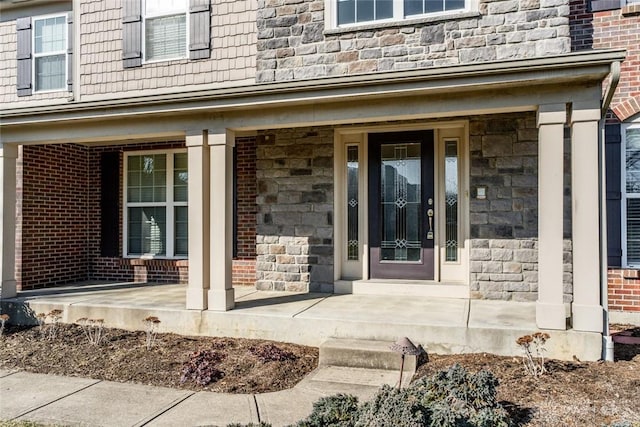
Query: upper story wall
x=617 y=28
x=296 y=39
x=98 y=68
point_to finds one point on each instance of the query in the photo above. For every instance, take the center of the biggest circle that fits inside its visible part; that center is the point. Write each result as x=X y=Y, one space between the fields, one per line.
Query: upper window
x=165 y=29
x=50 y=53
x=156 y=209
x=631 y=192
x=363 y=11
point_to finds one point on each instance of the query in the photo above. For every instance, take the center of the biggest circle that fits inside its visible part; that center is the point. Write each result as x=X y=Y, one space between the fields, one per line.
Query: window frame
x=169 y=204
x=331 y=8
x=143 y=41
x=625 y=196
x=35 y=56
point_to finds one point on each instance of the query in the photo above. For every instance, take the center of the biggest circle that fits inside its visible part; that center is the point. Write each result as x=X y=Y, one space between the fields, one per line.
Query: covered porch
x=470 y=304
x=442 y=326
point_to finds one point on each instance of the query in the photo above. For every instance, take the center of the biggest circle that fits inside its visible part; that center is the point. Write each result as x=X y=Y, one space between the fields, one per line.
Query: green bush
x=340 y=410
x=451 y=398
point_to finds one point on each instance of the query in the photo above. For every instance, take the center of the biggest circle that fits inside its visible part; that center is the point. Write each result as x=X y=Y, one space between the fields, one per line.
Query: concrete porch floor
x=441 y=325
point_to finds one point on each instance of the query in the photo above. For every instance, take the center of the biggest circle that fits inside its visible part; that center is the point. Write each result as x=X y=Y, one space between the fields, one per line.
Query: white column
x=586 y=309
x=221 y=294
x=198 y=188
x=8 y=156
x=550 y=311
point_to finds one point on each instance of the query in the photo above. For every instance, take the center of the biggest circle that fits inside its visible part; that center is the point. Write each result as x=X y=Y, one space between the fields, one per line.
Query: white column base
x=221 y=300
x=551 y=316
x=588 y=318
x=196 y=298
x=9 y=289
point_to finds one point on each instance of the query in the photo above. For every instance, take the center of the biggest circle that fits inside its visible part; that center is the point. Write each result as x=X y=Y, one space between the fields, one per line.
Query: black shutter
x=109 y=204
x=199 y=29
x=132 y=33
x=24 y=83
x=613 y=159
x=70 y=51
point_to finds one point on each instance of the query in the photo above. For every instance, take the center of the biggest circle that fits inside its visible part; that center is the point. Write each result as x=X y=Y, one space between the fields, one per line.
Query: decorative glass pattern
x=451 y=191
x=352 y=203
x=401 y=182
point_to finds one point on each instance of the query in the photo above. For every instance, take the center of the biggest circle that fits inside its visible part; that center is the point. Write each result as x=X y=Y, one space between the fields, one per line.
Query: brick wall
x=294 y=240
x=293 y=42
x=624 y=290
x=244 y=265
x=58 y=229
x=612 y=29
x=53 y=230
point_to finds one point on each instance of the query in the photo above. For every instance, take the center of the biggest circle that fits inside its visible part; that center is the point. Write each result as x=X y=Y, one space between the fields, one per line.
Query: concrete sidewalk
x=50 y=399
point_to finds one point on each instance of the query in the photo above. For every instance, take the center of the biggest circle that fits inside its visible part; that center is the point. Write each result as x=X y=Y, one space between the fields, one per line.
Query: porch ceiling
x=516 y=85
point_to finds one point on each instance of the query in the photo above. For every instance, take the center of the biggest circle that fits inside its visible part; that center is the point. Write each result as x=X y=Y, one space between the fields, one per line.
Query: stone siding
x=504 y=158
x=507 y=269
x=294 y=241
x=293 y=44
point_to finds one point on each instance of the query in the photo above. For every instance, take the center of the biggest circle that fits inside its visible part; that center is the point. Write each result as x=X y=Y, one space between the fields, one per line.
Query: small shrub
x=269 y=352
x=151 y=329
x=3 y=320
x=533 y=352
x=201 y=367
x=50 y=330
x=93 y=329
x=392 y=407
x=340 y=410
x=262 y=424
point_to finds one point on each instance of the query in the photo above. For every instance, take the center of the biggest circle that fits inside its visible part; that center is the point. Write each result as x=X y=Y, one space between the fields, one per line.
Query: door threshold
x=416 y=288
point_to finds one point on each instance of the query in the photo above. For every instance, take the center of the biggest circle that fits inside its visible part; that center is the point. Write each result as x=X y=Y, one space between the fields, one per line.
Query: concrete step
x=368 y=354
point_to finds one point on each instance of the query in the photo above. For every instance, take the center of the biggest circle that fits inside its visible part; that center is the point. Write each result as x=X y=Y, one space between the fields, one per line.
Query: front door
x=401 y=205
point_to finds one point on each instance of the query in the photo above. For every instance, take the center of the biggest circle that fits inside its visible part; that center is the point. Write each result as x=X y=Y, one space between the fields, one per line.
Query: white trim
x=451 y=273
x=169 y=204
x=331 y=14
x=623 y=190
x=35 y=55
x=167 y=13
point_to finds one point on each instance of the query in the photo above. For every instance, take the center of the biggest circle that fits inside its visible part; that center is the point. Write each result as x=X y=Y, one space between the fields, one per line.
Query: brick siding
x=624 y=290
x=58 y=231
x=612 y=29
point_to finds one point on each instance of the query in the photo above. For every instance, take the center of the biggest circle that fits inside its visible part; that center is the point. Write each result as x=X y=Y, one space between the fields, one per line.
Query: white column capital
x=585 y=112
x=222 y=137
x=196 y=138
x=10 y=151
x=552 y=114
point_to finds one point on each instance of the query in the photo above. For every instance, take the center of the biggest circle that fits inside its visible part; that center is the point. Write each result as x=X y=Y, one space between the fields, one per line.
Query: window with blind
x=165 y=29
x=156 y=208
x=632 y=196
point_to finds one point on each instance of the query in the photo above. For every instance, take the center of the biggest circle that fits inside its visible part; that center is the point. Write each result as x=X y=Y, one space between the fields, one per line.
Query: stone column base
x=221 y=300
x=196 y=298
x=588 y=318
x=9 y=289
x=551 y=316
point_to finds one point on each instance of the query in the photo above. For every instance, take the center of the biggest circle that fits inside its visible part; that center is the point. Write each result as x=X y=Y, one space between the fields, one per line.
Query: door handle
x=430 y=232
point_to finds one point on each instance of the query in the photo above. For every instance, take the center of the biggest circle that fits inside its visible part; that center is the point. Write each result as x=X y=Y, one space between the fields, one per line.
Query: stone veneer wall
x=507 y=269
x=504 y=227
x=293 y=44
x=294 y=241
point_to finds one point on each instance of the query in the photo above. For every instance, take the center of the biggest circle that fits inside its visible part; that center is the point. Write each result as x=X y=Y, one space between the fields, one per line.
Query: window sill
x=631 y=9
x=402 y=23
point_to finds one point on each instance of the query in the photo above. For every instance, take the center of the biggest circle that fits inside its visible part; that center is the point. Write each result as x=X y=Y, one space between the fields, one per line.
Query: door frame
x=354 y=270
